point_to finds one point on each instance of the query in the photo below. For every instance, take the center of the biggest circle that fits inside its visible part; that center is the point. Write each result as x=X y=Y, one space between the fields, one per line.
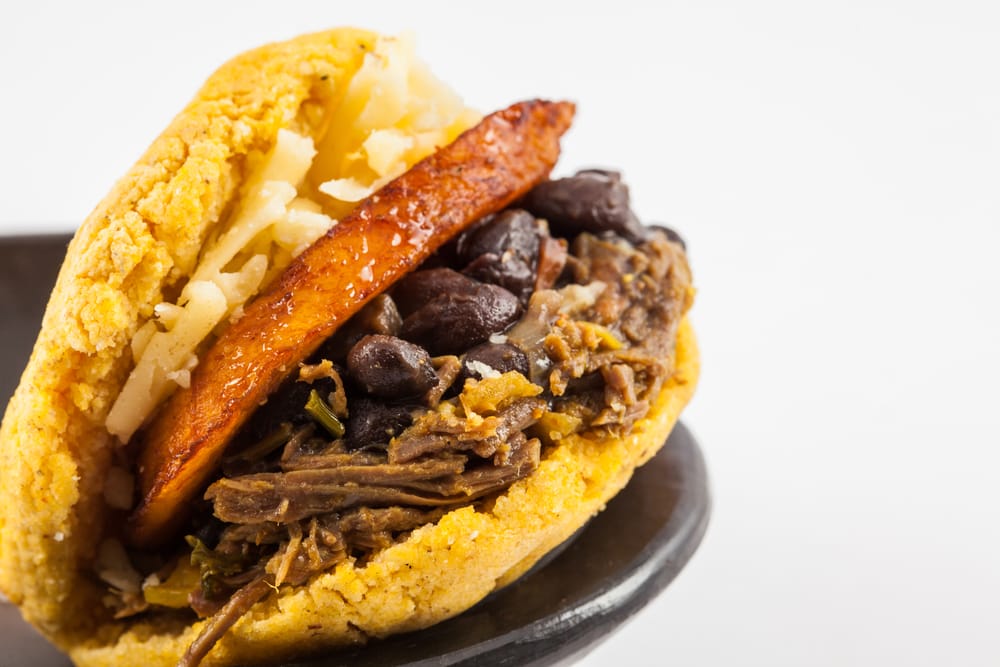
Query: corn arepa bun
x=136 y=249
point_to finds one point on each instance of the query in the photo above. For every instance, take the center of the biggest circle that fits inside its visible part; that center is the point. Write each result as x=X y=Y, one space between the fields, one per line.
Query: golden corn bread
x=142 y=246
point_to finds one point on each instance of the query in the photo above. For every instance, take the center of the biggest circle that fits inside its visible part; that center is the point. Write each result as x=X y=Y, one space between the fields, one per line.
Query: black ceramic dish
x=553 y=615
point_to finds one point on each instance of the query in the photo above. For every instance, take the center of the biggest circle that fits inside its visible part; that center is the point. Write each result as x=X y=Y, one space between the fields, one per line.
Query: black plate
x=553 y=615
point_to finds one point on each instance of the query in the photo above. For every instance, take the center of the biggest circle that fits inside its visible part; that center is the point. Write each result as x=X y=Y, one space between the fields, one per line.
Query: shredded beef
x=437 y=432
x=647 y=290
x=237 y=605
x=292 y=496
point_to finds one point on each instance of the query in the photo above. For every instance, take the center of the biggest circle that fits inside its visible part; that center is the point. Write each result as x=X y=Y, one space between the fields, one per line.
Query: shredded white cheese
x=392 y=114
x=485 y=370
x=114 y=568
x=166 y=352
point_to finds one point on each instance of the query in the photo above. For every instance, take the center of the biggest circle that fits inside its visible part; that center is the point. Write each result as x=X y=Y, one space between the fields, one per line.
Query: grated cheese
x=393 y=113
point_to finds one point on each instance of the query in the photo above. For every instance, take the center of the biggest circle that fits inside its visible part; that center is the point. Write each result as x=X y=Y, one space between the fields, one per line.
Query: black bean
x=420 y=287
x=591 y=201
x=379 y=316
x=607 y=174
x=501 y=357
x=507 y=270
x=373 y=423
x=513 y=230
x=503 y=250
x=670 y=234
x=455 y=321
x=390 y=367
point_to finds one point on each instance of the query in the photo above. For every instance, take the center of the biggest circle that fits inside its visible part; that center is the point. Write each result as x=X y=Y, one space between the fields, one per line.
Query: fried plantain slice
x=386 y=236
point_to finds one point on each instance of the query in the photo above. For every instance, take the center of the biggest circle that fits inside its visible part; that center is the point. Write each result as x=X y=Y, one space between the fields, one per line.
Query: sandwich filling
x=555 y=317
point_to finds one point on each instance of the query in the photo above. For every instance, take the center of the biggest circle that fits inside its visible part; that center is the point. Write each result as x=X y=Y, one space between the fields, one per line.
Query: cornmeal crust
x=137 y=246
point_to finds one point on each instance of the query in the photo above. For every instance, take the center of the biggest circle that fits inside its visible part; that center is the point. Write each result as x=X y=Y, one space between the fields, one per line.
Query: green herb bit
x=213 y=562
x=213 y=566
x=320 y=410
x=266 y=445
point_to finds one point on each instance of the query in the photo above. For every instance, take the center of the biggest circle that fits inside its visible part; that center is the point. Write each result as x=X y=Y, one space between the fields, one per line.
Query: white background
x=835 y=170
